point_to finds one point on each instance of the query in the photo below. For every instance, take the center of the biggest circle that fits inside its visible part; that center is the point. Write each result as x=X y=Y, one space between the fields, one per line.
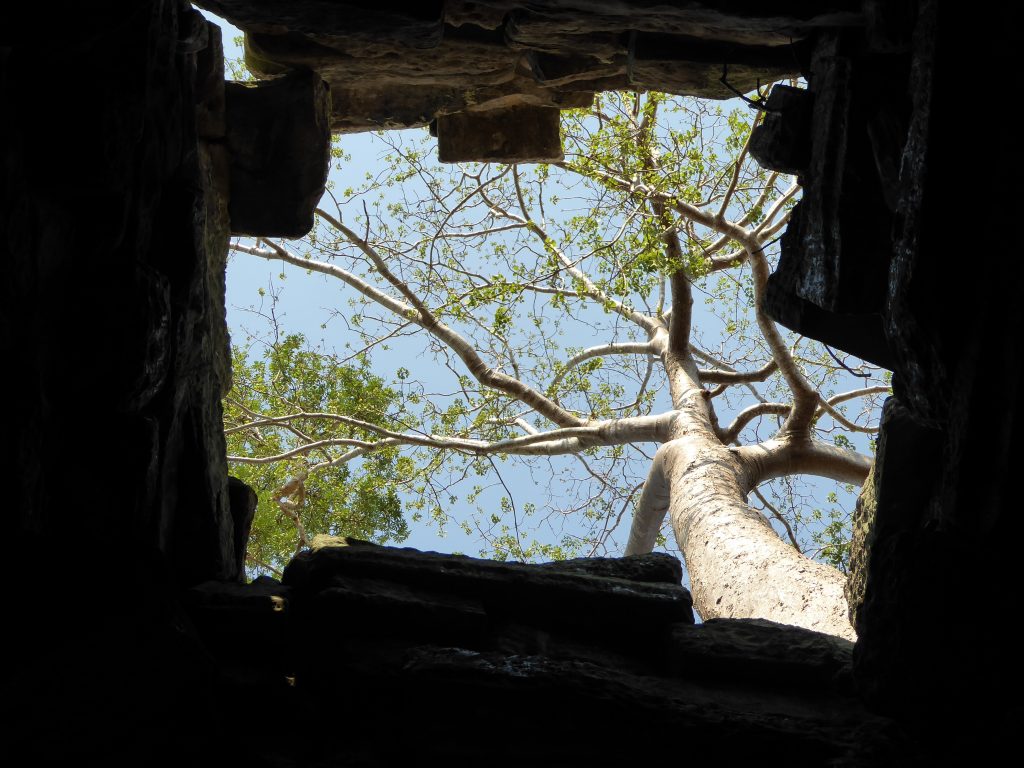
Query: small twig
x=512 y=503
x=260 y=564
x=770 y=242
x=760 y=103
x=778 y=516
x=844 y=366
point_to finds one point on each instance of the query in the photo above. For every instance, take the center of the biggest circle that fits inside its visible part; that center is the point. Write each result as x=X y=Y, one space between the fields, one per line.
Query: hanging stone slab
x=782 y=141
x=692 y=66
x=518 y=134
x=279 y=142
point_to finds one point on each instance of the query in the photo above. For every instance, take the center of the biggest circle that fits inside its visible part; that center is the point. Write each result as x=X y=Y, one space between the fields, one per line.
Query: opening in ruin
x=485 y=346
x=137 y=641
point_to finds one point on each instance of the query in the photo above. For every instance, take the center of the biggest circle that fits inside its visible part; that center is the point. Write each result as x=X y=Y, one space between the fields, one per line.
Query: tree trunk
x=739 y=567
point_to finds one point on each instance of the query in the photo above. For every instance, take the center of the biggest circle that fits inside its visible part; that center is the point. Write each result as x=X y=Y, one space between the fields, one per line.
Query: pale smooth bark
x=738 y=565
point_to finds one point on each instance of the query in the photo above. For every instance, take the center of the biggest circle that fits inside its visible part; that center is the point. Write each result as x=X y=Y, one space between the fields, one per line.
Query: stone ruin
x=127 y=164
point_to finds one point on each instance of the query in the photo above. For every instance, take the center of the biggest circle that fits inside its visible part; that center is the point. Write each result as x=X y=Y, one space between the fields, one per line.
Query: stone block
x=518 y=134
x=242 y=501
x=279 y=142
x=782 y=142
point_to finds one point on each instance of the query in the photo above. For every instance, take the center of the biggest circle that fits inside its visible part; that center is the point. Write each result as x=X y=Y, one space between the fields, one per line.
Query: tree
x=293 y=503
x=489 y=268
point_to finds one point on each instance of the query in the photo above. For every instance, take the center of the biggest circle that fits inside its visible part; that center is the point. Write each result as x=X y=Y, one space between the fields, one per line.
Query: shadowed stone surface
x=782 y=140
x=113 y=319
x=401 y=66
x=721 y=650
x=454 y=648
x=872 y=263
x=242 y=501
x=279 y=144
x=831 y=279
x=653 y=567
x=579 y=603
x=515 y=135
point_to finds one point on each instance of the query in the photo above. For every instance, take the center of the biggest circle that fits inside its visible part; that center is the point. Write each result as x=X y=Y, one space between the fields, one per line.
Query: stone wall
x=885 y=258
x=382 y=656
x=113 y=239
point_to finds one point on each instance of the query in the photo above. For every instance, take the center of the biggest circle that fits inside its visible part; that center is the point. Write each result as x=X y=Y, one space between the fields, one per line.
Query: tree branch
x=853 y=394
x=422 y=316
x=554 y=442
x=769 y=185
x=805 y=397
x=786 y=456
x=780 y=517
x=651 y=508
x=731 y=433
x=721 y=376
x=737 y=165
x=730 y=260
x=827 y=407
x=590 y=289
x=776 y=207
x=613 y=348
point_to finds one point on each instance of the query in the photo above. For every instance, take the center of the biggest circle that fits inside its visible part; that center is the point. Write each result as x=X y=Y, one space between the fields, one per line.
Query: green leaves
x=267 y=413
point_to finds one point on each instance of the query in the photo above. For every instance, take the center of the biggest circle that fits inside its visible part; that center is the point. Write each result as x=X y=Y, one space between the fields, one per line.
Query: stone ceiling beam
x=399 y=65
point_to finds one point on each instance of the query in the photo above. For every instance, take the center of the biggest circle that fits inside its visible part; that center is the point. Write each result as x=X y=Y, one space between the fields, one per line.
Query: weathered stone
x=900 y=500
x=246 y=628
x=560 y=70
x=278 y=137
x=774 y=655
x=689 y=78
x=832 y=275
x=861 y=334
x=862 y=526
x=923 y=333
x=519 y=134
x=242 y=501
x=820 y=248
x=552 y=647
x=581 y=601
x=656 y=567
x=144 y=364
x=385 y=610
x=395 y=67
x=417 y=24
x=782 y=141
x=364 y=109
x=112 y=307
x=530 y=31
x=554 y=698
x=485 y=15
x=465 y=60
x=756 y=24
x=692 y=66
x=240 y=610
x=214 y=169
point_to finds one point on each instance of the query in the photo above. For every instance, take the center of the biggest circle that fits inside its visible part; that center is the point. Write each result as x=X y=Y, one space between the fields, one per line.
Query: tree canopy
x=294 y=504
x=542 y=354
